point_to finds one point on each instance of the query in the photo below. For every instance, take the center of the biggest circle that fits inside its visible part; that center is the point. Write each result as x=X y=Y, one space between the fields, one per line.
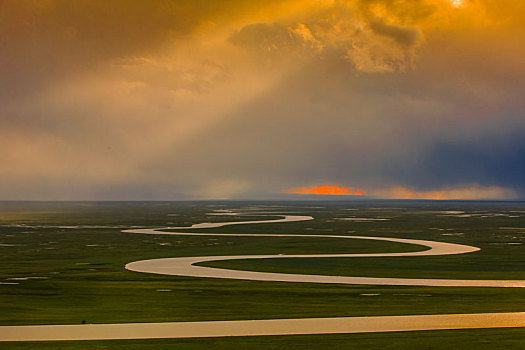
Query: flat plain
x=63 y=263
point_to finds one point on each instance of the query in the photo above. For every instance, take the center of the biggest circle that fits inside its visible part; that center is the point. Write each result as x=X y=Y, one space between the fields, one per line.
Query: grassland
x=487 y=339
x=79 y=250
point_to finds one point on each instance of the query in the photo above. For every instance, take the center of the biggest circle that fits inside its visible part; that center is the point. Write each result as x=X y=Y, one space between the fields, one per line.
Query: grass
x=86 y=279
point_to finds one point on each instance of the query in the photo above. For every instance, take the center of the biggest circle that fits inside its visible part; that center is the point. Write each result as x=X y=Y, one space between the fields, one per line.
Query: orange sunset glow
x=327 y=189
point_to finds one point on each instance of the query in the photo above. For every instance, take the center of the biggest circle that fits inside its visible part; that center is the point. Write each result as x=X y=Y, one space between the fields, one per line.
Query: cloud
x=273 y=37
x=404 y=36
x=45 y=41
x=473 y=192
x=495 y=159
x=346 y=29
x=169 y=99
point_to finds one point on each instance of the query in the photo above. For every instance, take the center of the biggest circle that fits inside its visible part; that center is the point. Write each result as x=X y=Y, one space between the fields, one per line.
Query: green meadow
x=63 y=263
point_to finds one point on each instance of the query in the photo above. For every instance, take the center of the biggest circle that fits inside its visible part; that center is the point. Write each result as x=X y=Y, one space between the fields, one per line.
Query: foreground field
x=79 y=251
x=485 y=339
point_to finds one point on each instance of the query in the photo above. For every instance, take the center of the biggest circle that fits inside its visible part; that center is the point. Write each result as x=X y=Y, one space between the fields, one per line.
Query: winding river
x=185 y=266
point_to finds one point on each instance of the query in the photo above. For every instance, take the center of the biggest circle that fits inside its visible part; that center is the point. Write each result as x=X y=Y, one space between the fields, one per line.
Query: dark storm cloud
x=489 y=161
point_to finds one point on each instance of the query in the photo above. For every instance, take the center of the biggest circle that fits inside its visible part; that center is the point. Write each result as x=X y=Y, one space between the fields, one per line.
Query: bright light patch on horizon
x=327 y=190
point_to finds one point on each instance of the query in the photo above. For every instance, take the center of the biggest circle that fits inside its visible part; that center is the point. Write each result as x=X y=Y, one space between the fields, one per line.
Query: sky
x=235 y=99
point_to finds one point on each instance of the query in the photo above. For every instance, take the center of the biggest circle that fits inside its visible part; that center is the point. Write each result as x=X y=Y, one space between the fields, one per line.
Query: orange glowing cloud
x=327 y=189
x=473 y=192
